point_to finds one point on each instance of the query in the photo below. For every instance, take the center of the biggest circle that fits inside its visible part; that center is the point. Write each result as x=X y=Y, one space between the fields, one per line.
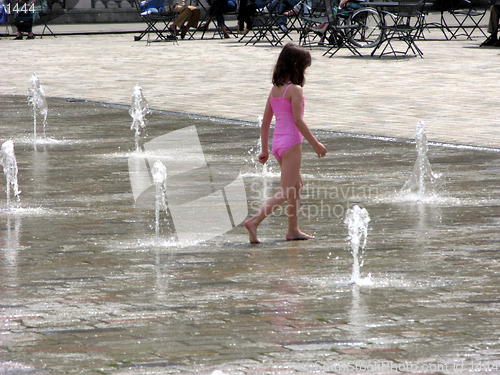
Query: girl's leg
x=267 y=209
x=294 y=233
x=290 y=175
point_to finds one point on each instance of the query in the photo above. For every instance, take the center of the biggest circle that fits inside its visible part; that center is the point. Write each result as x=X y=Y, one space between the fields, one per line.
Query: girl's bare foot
x=252 y=231
x=298 y=236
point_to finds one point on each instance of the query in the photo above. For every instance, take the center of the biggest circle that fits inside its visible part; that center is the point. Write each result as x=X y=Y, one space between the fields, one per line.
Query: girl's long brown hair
x=291 y=65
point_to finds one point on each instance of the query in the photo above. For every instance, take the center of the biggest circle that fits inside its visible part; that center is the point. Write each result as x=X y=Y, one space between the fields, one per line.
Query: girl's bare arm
x=264 y=132
x=297 y=100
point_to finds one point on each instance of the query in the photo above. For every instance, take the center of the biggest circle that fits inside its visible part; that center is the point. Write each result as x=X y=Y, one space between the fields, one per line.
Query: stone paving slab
x=454 y=88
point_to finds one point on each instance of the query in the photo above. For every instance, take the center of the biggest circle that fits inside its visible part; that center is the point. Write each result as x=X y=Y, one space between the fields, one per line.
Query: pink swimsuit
x=286 y=134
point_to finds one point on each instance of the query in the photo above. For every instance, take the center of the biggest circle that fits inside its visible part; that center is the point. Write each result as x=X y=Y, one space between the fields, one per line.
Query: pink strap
x=287 y=89
x=291 y=84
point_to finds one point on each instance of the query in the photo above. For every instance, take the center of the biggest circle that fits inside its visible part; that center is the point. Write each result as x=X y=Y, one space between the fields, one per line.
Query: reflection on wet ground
x=86 y=289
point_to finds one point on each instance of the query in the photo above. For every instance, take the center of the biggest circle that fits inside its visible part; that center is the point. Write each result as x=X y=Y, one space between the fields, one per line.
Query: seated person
x=186 y=13
x=493 y=27
x=279 y=7
x=345 y=8
x=217 y=10
x=31 y=14
x=247 y=10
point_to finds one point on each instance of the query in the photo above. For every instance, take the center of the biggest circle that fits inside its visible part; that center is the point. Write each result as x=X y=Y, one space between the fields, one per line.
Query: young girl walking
x=286 y=103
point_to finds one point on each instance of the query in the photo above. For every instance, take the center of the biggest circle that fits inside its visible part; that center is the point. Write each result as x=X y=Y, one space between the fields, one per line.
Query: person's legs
x=212 y=11
x=219 y=16
x=290 y=180
x=293 y=202
x=492 y=27
x=218 y=11
x=283 y=6
x=242 y=15
x=184 y=14
x=494 y=19
x=19 y=35
x=251 y=11
x=194 y=18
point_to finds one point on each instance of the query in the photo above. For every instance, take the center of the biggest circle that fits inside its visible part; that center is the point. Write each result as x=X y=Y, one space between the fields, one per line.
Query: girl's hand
x=263 y=157
x=320 y=150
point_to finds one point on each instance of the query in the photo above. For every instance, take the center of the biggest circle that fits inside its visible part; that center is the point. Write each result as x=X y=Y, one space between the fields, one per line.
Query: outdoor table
x=383 y=4
x=380 y=6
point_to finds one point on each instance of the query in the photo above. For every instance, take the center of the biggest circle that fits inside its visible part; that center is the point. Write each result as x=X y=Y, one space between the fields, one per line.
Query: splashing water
x=9 y=164
x=159 y=172
x=138 y=111
x=423 y=182
x=357 y=220
x=36 y=97
x=263 y=170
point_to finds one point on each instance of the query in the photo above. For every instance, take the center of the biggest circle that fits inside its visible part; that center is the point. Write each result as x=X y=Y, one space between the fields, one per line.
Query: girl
x=286 y=102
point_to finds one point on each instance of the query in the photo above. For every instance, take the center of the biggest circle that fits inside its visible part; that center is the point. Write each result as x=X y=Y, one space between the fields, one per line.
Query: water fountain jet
x=357 y=220
x=423 y=182
x=138 y=110
x=9 y=164
x=159 y=172
x=36 y=97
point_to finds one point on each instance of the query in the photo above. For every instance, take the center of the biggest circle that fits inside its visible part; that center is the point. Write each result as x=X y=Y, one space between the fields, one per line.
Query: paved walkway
x=454 y=88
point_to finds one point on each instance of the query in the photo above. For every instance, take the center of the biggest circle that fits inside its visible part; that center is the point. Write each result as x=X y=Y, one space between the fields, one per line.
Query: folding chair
x=355 y=28
x=189 y=18
x=468 y=14
x=442 y=7
x=45 y=15
x=229 y=8
x=342 y=35
x=158 y=20
x=294 y=20
x=407 y=24
x=264 y=28
x=317 y=15
x=281 y=22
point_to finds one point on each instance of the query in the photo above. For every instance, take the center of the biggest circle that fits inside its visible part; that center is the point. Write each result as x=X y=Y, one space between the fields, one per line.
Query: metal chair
x=354 y=28
x=468 y=14
x=45 y=15
x=158 y=22
x=317 y=15
x=403 y=26
x=211 y=18
x=264 y=28
x=289 y=19
x=461 y=11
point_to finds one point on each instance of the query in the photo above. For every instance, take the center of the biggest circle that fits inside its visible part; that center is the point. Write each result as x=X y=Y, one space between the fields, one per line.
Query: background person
x=26 y=12
x=217 y=10
x=493 y=27
x=188 y=13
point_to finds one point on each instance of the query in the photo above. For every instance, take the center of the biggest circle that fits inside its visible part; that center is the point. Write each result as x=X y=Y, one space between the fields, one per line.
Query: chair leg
x=45 y=18
x=468 y=15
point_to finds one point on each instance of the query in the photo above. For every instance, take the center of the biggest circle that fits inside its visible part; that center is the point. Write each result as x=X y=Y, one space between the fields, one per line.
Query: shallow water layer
x=86 y=288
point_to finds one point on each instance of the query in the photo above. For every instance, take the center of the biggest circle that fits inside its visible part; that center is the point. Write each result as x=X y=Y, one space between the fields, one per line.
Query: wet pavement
x=86 y=288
